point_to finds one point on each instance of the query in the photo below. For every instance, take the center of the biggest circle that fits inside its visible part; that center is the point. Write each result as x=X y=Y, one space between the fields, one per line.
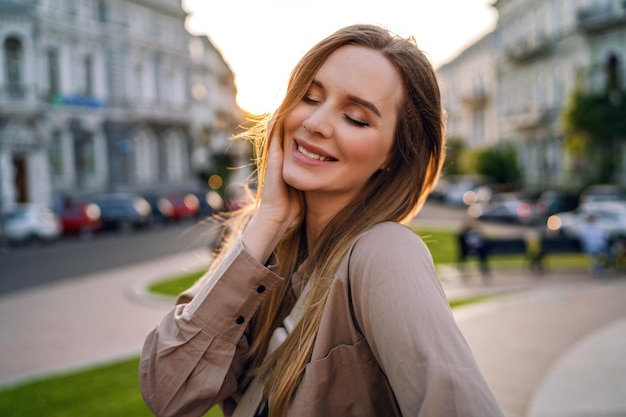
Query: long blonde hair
x=395 y=194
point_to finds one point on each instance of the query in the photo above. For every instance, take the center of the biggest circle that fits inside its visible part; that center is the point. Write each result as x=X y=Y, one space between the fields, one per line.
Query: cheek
x=375 y=154
x=294 y=119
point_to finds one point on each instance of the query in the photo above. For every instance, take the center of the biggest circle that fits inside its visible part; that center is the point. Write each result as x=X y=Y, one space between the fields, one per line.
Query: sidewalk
x=549 y=345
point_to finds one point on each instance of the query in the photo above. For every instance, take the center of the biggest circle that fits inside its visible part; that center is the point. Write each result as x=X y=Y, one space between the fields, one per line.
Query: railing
x=527 y=49
x=476 y=97
x=602 y=16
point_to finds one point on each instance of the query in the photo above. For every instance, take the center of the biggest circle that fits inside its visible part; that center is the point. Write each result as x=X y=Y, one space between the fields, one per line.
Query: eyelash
x=358 y=123
x=355 y=122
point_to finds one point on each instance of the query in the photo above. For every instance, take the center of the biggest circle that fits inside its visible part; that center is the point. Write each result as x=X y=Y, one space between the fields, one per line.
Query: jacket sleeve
x=193 y=358
x=402 y=310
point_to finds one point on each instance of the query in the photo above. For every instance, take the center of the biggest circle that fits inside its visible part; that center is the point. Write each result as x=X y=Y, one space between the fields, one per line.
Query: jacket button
x=260 y=289
x=240 y=320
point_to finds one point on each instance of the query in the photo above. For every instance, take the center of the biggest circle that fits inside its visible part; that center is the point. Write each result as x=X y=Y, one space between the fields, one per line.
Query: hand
x=279 y=207
x=280 y=203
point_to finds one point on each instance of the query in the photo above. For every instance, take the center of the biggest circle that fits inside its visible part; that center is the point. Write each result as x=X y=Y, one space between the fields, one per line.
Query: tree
x=455 y=150
x=498 y=163
x=595 y=127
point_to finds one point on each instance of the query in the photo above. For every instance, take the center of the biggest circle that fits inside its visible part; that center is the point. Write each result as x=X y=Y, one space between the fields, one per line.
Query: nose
x=319 y=122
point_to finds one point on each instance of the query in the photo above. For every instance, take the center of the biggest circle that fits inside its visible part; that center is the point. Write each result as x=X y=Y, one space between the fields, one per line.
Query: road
x=25 y=267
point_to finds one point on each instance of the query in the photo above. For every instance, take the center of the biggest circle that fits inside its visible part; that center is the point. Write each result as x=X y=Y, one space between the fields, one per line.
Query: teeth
x=311 y=154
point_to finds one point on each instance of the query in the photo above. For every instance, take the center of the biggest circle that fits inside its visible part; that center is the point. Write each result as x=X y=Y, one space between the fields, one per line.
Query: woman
x=325 y=304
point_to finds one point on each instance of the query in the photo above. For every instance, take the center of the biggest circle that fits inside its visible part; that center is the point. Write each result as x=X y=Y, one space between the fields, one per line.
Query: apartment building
x=540 y=52
x=109 y=95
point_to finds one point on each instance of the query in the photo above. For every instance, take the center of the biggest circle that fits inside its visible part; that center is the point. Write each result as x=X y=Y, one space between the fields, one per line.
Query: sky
x=262 y=40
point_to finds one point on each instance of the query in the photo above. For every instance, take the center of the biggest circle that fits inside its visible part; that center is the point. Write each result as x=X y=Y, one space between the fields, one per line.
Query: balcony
x=528 y=49
x=601 y=17
x=17 y=98
x=475 y=98
x=533 y=119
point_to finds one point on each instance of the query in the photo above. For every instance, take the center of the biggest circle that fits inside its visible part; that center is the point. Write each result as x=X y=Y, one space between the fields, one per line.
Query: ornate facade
x=110 y=95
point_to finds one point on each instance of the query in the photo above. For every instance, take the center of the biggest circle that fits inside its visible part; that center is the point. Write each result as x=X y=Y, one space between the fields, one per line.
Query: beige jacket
x=387 y=345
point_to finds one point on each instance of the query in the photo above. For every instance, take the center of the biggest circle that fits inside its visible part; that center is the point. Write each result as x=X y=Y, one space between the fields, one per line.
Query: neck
x=320 y=209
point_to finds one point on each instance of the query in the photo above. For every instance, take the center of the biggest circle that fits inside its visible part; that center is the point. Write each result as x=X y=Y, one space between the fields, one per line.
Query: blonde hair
x=395 y=194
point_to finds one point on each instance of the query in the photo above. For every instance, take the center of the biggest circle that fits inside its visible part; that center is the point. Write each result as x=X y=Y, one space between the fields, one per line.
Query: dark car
x=123 y=211
x=162 y=209
x=506 y=207
x=80 y=218
x=209 y=203
x=552 y=202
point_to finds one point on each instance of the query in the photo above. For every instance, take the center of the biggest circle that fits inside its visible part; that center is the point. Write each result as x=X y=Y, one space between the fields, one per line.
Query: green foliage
x=498 y=163
x=599 y=116
x=455 y=150
x=595 y=125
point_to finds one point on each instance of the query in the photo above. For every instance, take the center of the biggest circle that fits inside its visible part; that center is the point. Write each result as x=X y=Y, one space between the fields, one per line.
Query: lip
x=313 y=149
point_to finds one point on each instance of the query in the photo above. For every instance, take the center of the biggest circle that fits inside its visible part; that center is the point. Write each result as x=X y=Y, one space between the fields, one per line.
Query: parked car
x=209 y=203
x=161 y=208
x=600 y=194
x=184 y=205
x=506 y=207
x=551 y=202
x=457 y=187
x=79 y=218
x=612 y=219
x=123 y=211
x=26 y=223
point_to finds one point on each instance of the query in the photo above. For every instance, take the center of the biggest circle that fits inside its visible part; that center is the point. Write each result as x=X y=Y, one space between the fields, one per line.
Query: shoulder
x=389 y=239
x=389 y=250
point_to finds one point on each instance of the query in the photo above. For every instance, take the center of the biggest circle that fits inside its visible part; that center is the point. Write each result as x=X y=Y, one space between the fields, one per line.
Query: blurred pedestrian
x=473 y=244
x=325 y=303
x=595 y=243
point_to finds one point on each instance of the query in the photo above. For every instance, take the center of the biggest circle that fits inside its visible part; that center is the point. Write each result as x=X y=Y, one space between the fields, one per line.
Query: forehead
x=362 y=72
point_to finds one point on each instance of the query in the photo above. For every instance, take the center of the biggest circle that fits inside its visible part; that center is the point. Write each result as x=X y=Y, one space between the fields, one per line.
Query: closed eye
x=356 y=122
x=310 y=100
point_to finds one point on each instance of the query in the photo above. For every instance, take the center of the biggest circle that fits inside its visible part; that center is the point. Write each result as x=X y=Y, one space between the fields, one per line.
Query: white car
x=569 y=223
x=31 y=223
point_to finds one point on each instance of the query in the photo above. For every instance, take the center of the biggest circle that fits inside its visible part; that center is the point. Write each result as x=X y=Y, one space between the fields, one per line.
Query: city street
x=25 y=267
x=29 y=266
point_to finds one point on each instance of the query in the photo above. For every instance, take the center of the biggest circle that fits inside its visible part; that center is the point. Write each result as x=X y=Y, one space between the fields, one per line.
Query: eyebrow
x=354 y=99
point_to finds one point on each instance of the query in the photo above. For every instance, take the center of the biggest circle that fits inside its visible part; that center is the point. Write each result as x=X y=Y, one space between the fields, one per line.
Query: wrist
x=261 y=236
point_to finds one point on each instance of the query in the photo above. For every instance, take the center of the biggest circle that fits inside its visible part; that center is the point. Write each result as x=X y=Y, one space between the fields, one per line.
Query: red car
x=80 y=218
x=184 y=205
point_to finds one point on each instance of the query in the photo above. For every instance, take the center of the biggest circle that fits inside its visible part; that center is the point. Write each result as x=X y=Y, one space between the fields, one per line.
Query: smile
x=313 y=155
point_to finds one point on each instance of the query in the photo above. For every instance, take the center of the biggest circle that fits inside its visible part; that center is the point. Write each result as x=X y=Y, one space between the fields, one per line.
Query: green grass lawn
x=112 y=390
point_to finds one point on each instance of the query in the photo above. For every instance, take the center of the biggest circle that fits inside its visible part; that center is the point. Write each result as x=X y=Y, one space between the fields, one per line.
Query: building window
x=54 y=88
x=88 y=73
x=158 y=72
x=55 y=155
x=613 y=69
x=85 y=158
x=102 y=11
x=13 y=56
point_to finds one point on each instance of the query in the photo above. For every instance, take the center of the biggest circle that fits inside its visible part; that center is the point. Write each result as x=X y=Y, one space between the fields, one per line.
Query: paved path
x=552 y=346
